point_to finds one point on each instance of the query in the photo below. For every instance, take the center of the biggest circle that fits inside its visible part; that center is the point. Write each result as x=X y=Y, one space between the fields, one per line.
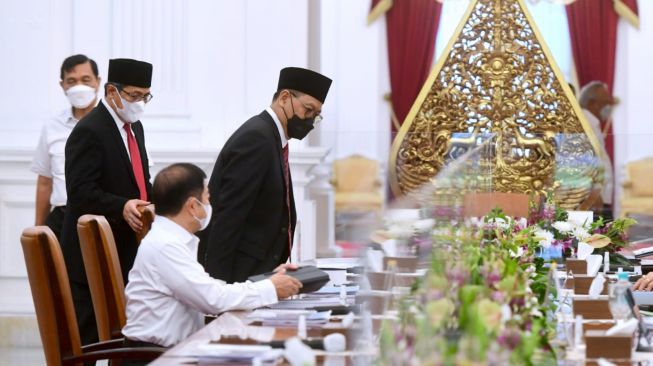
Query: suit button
x=284 y=230
x=275 y=257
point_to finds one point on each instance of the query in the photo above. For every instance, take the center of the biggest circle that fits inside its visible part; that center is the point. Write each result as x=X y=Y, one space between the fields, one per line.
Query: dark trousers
x=84 y=312
x=55 y=220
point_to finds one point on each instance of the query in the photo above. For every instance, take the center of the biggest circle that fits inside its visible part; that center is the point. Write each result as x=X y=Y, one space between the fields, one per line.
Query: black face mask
x=297 y=127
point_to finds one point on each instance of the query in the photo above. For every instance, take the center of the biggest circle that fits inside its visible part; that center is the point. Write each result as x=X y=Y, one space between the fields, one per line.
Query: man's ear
x=61 y=84
x=111 y=93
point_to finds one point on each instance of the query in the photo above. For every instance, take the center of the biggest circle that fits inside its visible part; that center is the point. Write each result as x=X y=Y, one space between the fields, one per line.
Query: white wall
x=633 y=122
x=216 y=63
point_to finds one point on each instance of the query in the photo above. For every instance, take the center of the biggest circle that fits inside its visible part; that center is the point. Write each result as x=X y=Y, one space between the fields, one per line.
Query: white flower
x=506 y=313
x=400 y=231
x=544 y=237
x=522 y=223
x=423 y=225
x=475 y=221
x=563 y=226
x=580 y=233
x=498 y=222
x=536 y=313
x=520 y=252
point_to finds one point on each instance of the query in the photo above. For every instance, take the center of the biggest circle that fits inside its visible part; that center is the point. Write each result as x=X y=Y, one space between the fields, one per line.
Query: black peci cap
x=305 y=81
x=130 y=72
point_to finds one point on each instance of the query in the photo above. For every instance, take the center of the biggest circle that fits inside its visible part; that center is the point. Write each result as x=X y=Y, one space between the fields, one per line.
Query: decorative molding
x=10 y=229
x=157 y=32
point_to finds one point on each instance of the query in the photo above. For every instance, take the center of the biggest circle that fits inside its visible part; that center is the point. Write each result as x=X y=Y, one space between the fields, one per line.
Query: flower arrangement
x=555 y=230
x=488 y=297
x=479 y=304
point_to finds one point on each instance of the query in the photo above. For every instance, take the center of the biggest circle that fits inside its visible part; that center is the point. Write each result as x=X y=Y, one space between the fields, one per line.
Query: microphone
x=334 y=342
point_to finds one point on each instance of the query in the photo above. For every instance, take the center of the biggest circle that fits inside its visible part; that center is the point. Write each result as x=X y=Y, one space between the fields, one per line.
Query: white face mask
x=208 y=210
x=130 y=111
x=606 y=112
x=80 y=96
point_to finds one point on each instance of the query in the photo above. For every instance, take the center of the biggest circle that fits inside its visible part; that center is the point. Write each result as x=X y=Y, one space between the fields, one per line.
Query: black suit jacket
x=248 y=233
x=99 y=181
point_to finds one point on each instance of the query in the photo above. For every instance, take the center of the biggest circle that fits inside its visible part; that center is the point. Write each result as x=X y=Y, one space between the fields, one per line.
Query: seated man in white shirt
x=168 y=291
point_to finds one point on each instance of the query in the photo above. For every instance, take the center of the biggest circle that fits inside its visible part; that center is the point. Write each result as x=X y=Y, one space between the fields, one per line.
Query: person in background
x=80 y=82
x=107 y=173
x=597 y=104
x=169 y=292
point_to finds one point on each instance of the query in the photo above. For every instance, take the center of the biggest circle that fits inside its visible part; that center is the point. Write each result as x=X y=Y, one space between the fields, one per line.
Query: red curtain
x=593 y=32
x=412 y=26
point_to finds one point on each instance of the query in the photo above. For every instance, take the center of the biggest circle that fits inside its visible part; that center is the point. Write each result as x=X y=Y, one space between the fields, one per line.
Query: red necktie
x=286 y=177
x=137 y=165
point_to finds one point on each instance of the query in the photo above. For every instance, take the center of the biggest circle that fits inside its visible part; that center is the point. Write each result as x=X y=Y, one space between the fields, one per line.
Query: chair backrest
x=640 y=175
x=479 y=204
x=356 y=174
x=147 y=219
x=48 y=279
x=104 y=275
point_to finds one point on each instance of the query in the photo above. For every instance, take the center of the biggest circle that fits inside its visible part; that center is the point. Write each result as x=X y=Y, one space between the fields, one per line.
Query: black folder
x=311 y=277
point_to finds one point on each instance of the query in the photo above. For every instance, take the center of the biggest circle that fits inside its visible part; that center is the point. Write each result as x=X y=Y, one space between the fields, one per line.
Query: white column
x=302 y=162
x=321 y=191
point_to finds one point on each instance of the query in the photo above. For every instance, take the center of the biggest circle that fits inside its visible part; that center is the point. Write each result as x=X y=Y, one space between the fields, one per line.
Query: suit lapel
x=118 y=143
x=277 y=144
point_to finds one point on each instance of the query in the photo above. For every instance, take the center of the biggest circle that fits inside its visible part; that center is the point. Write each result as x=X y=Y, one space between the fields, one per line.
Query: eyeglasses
x=309 y=111
x=136 y=97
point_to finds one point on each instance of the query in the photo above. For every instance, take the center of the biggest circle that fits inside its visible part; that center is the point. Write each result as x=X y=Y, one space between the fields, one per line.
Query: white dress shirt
x=49 y=160
x=608 y=183
x=284 y=140
x=169 y=292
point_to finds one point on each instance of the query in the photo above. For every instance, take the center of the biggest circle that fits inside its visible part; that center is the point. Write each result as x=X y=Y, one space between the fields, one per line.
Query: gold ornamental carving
x=497 y=83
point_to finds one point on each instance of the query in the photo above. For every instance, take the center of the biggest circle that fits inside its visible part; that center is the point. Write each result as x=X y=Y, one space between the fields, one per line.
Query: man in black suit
x=254 y=215
x=107 y=174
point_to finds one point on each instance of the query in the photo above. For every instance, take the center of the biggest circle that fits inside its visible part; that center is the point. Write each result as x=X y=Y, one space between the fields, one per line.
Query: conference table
x=233 y=327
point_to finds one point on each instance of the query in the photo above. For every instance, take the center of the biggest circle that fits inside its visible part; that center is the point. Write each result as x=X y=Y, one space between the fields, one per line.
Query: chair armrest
x=137 y=353
x=114 y=343
x=333 y=182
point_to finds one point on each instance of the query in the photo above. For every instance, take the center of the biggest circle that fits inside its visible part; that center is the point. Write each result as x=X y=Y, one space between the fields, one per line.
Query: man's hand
x=285 y=285
x=286 y=267
x=131 y=214
x=645 y=283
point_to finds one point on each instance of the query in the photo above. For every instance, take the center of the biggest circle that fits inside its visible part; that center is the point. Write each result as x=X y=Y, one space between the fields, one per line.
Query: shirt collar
x=277 y=122
x=113 y=114
x=176 y=232
x=67 y=117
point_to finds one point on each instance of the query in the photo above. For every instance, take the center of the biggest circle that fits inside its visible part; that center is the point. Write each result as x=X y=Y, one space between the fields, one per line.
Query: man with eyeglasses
x=254 y=217
x=107 y=173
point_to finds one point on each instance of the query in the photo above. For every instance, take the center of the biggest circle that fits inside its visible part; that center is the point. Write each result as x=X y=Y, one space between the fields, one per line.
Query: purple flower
x=509 y=339
x=498 y=296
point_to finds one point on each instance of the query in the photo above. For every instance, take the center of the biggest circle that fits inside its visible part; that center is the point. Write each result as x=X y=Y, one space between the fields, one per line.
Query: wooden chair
x=357 y=185
x=104 y=275
x=147 y=219
x=55 y=312
x=637 y=189
x=479 y=204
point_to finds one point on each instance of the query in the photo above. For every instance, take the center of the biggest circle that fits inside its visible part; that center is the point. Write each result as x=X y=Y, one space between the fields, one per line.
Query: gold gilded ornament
x=498 y=87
